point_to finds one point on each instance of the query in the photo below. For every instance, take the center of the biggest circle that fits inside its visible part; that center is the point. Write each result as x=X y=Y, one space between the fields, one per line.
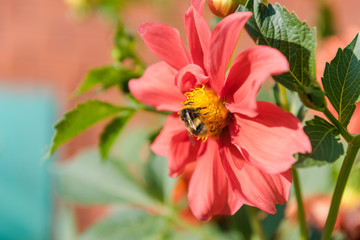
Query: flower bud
x=223 y=8
x=313 y=97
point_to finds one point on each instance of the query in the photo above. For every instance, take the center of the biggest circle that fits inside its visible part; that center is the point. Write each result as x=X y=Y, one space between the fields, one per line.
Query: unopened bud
x=223 y=8
x=313 y=97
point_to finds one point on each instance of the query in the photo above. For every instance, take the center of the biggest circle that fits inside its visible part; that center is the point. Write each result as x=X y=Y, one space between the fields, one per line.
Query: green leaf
x=134 y=139
x=111 y=131
x=325 y=144
x=64 y=224
x=81 y=118
x=86 y=180
x=341 y=80
x=128 y=224
x=272 y=222
x=124 y=44
x=305 y=162
x=108 y=76
x=157 y=179
x=275 y=27
x=240 y=222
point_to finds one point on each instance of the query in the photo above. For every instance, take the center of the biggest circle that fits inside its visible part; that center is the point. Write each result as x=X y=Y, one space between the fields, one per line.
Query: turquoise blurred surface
x=26 y=198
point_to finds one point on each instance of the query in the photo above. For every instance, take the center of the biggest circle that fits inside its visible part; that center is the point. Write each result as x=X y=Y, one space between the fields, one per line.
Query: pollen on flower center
x=204 y=113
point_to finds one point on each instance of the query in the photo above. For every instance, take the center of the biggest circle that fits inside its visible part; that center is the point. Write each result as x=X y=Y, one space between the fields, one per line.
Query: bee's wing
x=191 y=139
x=190 y=121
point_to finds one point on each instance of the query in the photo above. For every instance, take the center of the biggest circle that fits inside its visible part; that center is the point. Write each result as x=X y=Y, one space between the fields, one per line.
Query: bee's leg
x=200 y=108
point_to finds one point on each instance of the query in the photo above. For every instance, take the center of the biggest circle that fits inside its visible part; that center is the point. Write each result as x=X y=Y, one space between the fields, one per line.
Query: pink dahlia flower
x=241 y=149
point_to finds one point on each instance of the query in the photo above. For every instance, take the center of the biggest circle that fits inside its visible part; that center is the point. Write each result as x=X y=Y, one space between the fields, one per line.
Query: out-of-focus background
x=46 y=49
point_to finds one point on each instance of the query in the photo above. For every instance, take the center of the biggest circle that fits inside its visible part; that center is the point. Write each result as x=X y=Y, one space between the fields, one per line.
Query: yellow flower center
x=204 y=114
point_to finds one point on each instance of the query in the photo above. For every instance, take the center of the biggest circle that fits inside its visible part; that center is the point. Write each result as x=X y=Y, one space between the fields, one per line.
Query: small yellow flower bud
x=223 y=8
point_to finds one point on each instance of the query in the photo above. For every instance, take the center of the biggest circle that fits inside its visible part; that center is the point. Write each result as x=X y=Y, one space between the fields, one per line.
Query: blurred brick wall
x=41 y=44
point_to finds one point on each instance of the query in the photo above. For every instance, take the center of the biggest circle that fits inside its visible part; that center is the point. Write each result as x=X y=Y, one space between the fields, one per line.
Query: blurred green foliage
x=81 y=118
x=326 y=21
x=84 y=8
x=107 y=77
x=111 y=131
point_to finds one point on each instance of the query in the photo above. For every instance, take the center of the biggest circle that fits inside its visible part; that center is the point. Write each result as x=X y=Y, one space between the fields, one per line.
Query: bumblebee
x=191 y=117
x=204 y=114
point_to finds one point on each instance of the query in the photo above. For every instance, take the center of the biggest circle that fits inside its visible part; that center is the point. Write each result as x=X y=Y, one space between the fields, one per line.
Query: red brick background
x=40 y=43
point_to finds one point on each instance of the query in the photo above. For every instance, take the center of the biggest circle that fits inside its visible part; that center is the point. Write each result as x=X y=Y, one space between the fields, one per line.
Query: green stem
x=265 y=2
x=150 y=109
x=255 y=223
x=283 y=97
x=343 y=131
x=339 y=190
x=356 y=140
x=295 y=175
x=142 y=107
x=300 y=205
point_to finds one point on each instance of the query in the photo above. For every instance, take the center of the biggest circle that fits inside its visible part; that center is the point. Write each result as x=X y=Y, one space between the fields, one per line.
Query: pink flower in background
x=246 y=147
x=317 y=208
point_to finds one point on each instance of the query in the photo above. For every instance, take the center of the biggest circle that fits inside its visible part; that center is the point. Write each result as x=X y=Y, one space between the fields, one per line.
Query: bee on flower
x=241 y=149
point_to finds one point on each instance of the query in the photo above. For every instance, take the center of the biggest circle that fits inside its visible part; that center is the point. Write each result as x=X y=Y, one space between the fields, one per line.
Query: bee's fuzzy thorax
x=211 y=110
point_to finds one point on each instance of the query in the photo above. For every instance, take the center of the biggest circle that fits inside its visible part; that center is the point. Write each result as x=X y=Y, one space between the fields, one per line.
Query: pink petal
x=233 y=202
x=251 y=185
x=190 y=76
x=222 y=44
x=257 y=188
x=247 y=73
x=172 y=127
x=165 y=42
x=198 y=5
x=230 y=152
x=269 y=140
x=157 y=88
x=181 y=152
x=173 y=143
x=198 y=35
x=208 y=186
